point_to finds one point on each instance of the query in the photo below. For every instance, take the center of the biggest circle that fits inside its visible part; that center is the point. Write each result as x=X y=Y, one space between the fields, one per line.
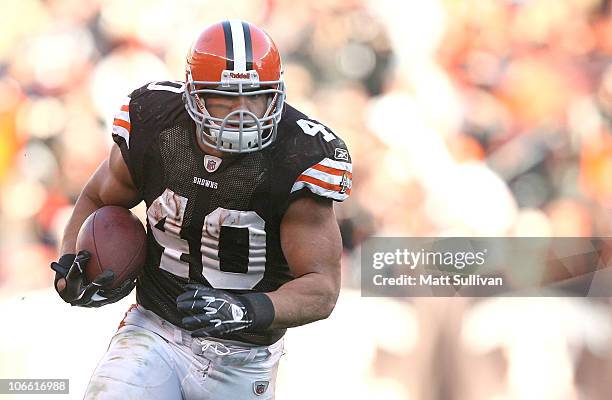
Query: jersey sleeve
x=317 y=161
x=124 y=135
x=121 y=123
x=329 y=178
x=138 y=120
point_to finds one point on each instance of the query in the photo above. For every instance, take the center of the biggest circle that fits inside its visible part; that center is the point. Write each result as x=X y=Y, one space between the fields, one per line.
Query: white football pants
x=149 y=358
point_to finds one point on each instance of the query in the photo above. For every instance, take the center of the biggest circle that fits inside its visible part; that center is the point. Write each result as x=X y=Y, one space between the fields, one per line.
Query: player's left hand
x=214 y=312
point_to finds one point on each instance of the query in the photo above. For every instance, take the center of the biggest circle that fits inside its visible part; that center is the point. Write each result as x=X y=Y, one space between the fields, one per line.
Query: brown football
x=116 y=240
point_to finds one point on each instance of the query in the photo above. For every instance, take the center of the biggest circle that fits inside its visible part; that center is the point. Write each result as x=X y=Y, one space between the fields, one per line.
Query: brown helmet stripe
x=248 y=46
x=229 y=45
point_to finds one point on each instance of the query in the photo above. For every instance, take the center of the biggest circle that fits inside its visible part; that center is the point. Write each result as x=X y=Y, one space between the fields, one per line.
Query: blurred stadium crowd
x=463 y=117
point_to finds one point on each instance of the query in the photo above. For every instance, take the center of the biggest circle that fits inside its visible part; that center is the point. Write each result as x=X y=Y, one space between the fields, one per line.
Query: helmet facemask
x=240 y=131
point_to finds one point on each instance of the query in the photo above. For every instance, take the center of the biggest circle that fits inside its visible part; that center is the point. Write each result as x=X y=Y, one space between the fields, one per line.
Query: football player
x=242 y=238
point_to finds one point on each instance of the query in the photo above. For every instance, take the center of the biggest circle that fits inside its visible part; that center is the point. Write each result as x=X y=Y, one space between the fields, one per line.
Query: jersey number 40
x=245 y=229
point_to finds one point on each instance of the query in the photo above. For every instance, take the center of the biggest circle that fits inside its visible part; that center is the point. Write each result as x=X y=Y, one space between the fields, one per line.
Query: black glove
x=217 y=312
x=79 y=292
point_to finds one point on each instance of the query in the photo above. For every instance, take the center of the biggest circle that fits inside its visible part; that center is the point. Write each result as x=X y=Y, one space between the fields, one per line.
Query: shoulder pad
x=317 y=158
x=157 y=101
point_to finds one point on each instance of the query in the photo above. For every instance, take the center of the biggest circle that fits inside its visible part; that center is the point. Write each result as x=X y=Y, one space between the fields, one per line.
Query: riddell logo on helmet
x=239 y=75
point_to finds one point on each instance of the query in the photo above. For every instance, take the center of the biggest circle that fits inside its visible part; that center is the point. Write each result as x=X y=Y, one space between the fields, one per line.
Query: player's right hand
x=73 y=288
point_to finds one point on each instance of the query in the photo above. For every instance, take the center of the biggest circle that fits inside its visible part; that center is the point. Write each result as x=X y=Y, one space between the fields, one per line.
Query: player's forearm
x=309 y=298
x=109 y=185
x=83 y=208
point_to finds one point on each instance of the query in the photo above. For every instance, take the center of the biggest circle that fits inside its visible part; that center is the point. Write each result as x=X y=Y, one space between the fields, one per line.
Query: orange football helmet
x=235 y=58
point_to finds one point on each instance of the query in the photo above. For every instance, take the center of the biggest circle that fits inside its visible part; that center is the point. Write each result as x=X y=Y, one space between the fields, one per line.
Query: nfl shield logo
x=260 y=387
x=211 y=163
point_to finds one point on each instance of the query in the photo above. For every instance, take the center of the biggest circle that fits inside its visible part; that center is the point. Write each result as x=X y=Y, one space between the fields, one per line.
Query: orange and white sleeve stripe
x=327 y=178
x=121 y=123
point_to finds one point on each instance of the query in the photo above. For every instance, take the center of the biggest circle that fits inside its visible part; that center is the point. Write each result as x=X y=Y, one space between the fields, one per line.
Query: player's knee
x=106 y=388
x=135 y=366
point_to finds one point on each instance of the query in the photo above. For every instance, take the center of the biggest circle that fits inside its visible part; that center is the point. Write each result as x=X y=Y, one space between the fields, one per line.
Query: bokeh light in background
x=463 y=117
